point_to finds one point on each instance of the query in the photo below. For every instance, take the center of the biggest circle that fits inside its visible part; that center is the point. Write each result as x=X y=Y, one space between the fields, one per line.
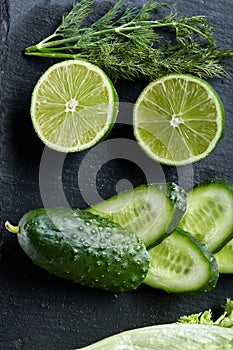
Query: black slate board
x=39 y=311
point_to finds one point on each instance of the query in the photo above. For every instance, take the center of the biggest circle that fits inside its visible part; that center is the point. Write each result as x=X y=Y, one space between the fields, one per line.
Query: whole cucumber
x=83 y=248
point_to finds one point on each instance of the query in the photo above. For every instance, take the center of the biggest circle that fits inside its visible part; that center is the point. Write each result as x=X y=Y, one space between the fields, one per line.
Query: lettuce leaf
x=206 y=317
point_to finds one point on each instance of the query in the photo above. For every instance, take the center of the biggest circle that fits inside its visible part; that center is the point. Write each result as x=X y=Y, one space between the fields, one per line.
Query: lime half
x=74 y=105
x=178 y=119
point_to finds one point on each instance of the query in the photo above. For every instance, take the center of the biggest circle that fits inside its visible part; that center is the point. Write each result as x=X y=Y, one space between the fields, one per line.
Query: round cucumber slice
x=209 y=213
x=150 y=211
x=181 y=264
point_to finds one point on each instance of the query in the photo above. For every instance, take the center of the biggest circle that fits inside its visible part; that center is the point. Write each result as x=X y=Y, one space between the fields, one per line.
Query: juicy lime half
x=74 y=105
x=178 y=119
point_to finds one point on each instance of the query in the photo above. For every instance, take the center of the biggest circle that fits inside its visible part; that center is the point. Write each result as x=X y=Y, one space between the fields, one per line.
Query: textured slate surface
x=39 y=311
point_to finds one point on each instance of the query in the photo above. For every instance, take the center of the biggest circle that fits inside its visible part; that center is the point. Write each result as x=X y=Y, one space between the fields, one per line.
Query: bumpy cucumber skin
x=84 y=248
x=229 y=186
x=178 y=196
x=213 y=276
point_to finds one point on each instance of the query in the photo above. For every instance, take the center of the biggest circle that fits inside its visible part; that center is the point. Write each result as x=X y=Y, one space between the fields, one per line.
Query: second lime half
x=178 y=119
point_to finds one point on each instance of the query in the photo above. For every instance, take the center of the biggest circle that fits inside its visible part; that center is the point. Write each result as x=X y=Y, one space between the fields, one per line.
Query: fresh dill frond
x=72 y=21
x=108 y=18
x=131 y=42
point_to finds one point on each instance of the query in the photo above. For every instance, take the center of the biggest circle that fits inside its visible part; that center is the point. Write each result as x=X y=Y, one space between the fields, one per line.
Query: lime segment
x=178 y=119
x=74 y=105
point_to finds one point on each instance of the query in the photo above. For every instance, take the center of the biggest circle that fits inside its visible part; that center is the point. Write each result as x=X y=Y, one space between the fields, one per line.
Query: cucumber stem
x=11 y=228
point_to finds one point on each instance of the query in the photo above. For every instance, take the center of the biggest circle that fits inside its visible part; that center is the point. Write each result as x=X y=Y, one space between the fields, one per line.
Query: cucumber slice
x=179 y=198
x=209 y=213
x=150 y=211
x=181 y=264
x=169 y=336
x=225 y=258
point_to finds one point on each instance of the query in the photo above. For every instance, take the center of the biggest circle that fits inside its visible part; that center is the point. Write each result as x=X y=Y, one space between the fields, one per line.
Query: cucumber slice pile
x=182 y=259
x=181 y=264
x=150 y=211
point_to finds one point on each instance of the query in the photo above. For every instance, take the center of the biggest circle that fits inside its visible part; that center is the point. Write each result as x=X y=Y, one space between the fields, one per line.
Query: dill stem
x=129 y=27
x=53 y=54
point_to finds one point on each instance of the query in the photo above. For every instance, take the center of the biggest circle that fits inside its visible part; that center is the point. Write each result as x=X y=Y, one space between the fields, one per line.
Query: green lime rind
x=163 y=148
x=66 y=86
x=168 y=336
x=182 y=265
x=209 y=213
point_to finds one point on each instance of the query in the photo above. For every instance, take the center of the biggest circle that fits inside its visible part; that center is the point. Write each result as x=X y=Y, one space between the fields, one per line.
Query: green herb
x=128 y=42
x=206 y=317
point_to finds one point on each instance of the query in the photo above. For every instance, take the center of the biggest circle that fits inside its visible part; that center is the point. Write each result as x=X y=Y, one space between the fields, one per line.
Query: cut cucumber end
x=225 y=258
x=180 y=264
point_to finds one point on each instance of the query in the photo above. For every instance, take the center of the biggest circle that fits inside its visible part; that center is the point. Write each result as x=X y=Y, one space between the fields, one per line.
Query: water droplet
x=74 y=236
x=137 y=261
x=93 y=231
x=80 y=228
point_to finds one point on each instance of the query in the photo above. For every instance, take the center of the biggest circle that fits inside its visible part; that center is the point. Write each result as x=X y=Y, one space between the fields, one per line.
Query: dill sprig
x=131 y=43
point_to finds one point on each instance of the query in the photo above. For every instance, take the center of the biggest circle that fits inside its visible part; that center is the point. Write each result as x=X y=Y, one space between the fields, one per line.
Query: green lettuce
x=206 y=317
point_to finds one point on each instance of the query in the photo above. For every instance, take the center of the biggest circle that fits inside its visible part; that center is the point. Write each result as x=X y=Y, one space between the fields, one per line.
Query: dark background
x=39 y=311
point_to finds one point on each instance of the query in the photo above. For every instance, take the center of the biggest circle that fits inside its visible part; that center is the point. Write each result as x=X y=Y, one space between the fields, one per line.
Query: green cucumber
x=209 y=213
x=225 y=258
x=181 y=264
x=169 y=337
x=83 y=248
x=150 y=211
